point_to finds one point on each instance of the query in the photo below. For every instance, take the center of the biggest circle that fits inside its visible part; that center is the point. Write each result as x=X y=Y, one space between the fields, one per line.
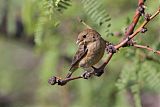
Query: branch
x=147 y=48
x=137 y=30
x=130 y=28
x=107 y=61
x=136 y=17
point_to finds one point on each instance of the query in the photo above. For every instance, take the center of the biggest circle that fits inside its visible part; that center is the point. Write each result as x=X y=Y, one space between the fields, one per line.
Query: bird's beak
x=77 y=42
x=80 y=42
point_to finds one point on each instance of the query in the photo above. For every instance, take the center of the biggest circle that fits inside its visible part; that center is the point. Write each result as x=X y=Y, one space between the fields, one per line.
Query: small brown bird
x=91 y=47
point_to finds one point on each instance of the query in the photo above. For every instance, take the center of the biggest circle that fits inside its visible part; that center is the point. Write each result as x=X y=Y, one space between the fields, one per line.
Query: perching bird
x=91 y=48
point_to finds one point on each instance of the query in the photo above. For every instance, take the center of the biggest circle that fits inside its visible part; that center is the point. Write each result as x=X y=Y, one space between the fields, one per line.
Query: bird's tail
x=73 y=68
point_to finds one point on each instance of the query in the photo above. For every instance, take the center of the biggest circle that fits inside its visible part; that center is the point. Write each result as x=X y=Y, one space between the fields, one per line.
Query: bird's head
x=87 y=36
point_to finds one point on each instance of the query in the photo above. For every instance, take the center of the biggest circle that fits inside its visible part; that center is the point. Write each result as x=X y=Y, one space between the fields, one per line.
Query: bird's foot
x=87 y=74
x=53 y=80
x=98 y=71
x=110 y=48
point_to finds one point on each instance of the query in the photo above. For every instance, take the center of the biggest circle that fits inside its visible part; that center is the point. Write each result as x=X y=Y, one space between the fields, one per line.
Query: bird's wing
x=81 y=52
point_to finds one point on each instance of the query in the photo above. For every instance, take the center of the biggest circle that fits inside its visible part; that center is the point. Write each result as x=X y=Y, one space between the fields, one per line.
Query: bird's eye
x=84 y=36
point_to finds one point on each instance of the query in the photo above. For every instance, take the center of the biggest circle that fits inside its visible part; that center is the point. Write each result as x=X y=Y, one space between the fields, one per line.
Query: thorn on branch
x=130 y=41
x=141 y=9
x=143 y=30
x=154 y=51
x=128 y=38
x=147 y=17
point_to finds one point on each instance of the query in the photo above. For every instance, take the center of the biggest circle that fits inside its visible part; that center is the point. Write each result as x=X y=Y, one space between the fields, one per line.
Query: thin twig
x=80 y=20
x=147 y=48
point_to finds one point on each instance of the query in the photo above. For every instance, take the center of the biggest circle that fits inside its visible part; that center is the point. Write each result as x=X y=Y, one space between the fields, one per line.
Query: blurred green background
x=36 y=44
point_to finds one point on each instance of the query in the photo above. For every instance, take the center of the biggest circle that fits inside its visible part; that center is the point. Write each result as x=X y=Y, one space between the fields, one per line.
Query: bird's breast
x=95 y=53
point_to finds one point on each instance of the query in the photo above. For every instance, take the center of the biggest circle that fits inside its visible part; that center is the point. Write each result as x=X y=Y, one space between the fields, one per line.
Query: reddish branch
x=107 y=61
x=136 y=17
x=129 y=29
x=138 y=30
x=148 y=48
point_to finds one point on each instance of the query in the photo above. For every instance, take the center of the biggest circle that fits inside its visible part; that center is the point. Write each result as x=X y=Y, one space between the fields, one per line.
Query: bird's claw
x=98 y=71
x=53 y=80
x=86 y=74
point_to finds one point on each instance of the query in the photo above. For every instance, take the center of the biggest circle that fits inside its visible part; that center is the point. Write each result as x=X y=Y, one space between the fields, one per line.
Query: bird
x=91 y=48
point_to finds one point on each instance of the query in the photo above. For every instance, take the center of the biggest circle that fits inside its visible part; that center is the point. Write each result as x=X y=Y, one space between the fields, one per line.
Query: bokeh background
x=34 y=47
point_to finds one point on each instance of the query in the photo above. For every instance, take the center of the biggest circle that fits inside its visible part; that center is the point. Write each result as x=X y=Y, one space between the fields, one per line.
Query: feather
x=81 y=52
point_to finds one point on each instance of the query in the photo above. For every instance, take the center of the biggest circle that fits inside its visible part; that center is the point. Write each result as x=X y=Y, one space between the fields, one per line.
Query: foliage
x=95 y=10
